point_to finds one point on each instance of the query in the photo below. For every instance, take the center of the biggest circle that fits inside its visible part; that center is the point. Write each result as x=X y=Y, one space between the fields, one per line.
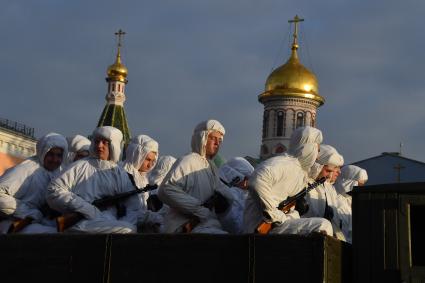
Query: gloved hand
x=154 y=203
x=302 y=206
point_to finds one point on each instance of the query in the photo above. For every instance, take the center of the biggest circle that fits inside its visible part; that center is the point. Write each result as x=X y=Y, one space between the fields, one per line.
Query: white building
x=17 y=142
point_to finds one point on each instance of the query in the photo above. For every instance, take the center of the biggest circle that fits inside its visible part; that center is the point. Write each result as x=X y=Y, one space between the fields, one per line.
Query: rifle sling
x=131 y=177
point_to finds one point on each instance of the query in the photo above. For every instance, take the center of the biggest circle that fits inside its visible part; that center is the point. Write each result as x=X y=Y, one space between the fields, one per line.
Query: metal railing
x=17 y=127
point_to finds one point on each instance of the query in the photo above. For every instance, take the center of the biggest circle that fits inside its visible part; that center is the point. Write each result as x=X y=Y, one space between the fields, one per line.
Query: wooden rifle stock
x=68 y=219
x=19 y=224
x=286 y=205
x=188 y=226
x=264 y=228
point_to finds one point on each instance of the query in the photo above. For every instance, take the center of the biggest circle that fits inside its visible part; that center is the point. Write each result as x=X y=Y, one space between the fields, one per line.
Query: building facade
x=17 y=142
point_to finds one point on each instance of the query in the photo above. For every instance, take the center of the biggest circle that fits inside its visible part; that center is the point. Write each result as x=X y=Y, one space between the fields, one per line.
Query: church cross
x=399 y=167
x=120 y=34
x=296 y=21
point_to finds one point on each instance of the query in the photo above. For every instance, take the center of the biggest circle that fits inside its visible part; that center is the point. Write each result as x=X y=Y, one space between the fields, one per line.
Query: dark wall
x=388 y=241
x=173 y=258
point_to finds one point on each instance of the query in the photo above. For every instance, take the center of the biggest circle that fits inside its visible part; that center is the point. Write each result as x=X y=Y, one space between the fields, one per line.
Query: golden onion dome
x=292 y=79
x=117 y=71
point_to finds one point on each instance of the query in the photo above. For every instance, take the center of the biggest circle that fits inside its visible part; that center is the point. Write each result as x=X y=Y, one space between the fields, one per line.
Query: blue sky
x=193 y=60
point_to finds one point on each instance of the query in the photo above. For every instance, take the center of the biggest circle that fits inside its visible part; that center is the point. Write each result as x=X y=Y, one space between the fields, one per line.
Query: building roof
x=392 y=154
x=17 y=128
x=391 y=167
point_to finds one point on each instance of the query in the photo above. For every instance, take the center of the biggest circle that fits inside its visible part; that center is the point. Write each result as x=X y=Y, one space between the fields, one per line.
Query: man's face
x=326 y=172
x=101 y=147
x=213 y=144
x=335 y=174
x=53 y=159
x=148 y=163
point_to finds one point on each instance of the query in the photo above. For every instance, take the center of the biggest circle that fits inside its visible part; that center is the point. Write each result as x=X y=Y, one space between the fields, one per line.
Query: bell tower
x=113 y=114
x=290 y=100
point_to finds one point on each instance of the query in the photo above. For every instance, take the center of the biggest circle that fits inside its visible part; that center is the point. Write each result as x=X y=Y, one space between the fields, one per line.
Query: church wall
x=290 y=107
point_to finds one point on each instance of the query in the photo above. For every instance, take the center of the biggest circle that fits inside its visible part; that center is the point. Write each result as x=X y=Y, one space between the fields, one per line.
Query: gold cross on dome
x=120 y=34
x=296 y=21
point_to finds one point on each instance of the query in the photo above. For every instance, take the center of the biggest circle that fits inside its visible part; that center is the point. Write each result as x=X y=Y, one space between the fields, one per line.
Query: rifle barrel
x=111 y=199
x=301 y=194
x=67 y=220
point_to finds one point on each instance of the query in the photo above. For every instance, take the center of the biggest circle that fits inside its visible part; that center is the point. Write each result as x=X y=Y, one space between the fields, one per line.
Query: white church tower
x=290 y=99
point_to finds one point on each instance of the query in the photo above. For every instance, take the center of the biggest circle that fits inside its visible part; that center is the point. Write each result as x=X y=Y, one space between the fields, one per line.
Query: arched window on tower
x=113 y=87
x=300 y=119
x=279 y=123
x=265 y=124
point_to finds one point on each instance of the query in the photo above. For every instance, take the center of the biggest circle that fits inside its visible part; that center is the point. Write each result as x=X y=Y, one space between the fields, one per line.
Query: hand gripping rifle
x=68 y=219
x=286 y=205
x=216 y=201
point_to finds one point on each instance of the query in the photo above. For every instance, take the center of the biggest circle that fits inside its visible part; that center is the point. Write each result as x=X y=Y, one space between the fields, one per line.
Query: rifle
x=19 y=224
x=68 y=219
x=217 y=201
x=286 y=205
x=233 y=183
